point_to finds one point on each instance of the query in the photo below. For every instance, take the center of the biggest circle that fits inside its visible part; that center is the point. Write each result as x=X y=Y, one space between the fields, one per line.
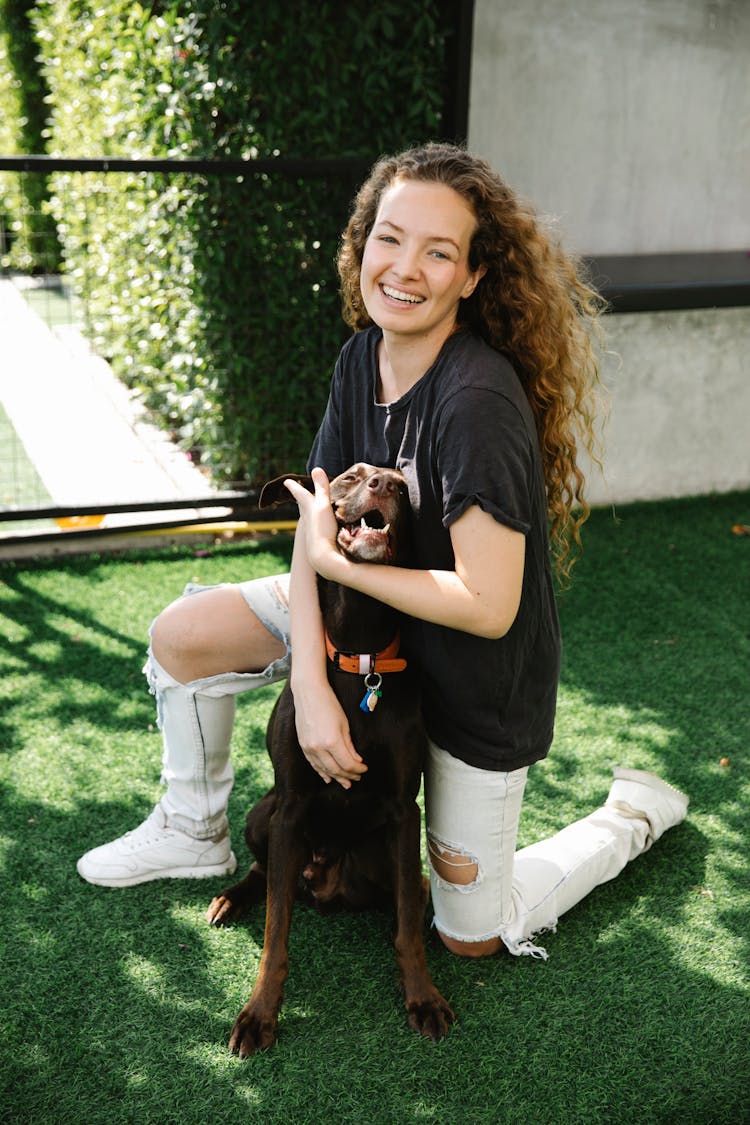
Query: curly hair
x=533 y=304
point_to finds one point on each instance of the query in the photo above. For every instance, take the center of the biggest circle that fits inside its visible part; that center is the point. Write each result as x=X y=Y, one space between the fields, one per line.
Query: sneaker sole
x=205 y=872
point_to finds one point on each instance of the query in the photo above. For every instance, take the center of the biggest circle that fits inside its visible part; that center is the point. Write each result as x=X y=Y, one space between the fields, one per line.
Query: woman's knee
x=459 y=869
x=471 y=948
x=176 y=632
x=210 y=633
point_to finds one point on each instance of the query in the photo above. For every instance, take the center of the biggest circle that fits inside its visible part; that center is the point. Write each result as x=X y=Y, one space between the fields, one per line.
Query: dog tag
x=370 y=701
x=373 y=693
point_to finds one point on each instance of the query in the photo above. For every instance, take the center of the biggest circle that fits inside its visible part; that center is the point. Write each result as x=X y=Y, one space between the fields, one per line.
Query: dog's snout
x=381 y=485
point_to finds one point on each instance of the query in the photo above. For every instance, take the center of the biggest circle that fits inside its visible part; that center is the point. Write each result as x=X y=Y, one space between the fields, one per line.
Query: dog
x=358 y=847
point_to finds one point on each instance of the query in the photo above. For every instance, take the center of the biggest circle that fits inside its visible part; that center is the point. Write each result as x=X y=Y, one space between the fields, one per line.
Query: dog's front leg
x=428 y=1012
x=255 y=1026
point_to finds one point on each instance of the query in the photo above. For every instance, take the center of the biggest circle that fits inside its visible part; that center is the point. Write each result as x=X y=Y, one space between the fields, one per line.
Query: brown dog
x=358 y=847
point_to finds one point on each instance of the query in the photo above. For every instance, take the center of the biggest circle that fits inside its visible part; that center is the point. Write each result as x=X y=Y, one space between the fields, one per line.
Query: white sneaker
x=644 y=796
x=156 y=851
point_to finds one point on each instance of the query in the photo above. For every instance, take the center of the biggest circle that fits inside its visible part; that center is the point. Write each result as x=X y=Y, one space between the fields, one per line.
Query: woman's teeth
x=399 y=295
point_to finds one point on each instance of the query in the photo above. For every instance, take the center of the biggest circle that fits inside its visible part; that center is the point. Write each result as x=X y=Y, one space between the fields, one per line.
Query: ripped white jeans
x=472 y=823
x=472 y=814
x=196 y=719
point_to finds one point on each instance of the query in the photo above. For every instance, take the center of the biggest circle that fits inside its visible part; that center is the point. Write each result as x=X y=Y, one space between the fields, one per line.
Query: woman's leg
x=472 y=827
x=206 y=648
x=197 y=637
x=484 y=895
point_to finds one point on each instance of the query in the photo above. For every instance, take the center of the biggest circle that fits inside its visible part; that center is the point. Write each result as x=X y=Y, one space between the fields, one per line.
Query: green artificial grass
x=117 y=1004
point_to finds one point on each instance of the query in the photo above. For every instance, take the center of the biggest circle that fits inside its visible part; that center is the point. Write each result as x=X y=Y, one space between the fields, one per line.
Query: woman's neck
x=402 y=361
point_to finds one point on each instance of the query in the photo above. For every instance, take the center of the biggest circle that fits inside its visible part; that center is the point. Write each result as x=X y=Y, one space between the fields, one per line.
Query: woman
x=472 y=371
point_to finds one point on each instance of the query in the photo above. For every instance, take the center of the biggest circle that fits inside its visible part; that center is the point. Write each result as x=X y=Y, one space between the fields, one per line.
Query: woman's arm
x=481 y=596
x=322 y=726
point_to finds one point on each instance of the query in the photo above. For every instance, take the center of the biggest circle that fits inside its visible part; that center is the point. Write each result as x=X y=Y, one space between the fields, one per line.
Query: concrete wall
x=678 y=386
x=630 y=121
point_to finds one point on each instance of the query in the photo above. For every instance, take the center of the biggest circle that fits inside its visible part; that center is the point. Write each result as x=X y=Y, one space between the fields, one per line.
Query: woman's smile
x=415 y=267
x=401 y=295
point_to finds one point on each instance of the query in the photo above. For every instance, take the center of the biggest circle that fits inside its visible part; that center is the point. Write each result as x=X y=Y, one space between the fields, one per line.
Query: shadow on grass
x=48 y=642
x=58 y=634
x=657 y=629
x=655 y=676
x=119 y=1003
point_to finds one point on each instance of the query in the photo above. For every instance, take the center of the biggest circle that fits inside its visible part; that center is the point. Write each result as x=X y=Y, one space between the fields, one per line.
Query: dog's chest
x=341 y=818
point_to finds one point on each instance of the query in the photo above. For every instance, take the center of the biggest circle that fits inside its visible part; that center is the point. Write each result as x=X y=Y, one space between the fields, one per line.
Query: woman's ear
x=474 y=278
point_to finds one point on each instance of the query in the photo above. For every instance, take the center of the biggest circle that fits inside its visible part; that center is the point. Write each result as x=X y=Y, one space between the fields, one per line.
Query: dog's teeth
x=386 y=529
x=363 y=523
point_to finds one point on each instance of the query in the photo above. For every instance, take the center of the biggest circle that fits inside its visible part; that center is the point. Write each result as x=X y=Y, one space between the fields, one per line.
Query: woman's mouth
x=401 y=295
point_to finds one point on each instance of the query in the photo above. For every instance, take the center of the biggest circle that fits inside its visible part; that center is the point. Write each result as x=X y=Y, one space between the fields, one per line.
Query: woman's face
x=415 y=266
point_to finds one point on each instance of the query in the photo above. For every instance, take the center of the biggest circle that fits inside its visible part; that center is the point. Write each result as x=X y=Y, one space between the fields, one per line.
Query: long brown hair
x=533 y=304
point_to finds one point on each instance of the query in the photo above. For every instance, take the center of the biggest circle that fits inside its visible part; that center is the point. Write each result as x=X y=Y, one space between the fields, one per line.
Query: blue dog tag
x=370 y=701
x=373 y=693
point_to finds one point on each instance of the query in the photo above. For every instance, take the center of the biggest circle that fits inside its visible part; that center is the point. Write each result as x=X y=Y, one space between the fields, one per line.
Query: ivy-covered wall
x=216 y=297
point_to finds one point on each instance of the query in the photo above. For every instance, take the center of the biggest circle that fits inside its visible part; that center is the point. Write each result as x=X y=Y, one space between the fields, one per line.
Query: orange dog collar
x=363 y=663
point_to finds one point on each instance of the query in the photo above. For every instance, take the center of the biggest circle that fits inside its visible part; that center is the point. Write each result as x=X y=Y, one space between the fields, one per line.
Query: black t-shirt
x=463 y=435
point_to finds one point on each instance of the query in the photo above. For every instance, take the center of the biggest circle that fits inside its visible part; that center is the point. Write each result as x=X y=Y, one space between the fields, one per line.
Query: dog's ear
x=275 y=493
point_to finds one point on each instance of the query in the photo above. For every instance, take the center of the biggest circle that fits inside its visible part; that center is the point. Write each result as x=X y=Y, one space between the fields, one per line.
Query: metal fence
x=77 y=455
x=76 y=452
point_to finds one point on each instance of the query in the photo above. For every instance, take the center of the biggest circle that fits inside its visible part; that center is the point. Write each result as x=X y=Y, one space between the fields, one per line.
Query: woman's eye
x=439 y=254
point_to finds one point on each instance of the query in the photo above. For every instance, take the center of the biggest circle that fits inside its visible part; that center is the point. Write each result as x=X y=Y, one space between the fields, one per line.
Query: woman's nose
x=407 y=262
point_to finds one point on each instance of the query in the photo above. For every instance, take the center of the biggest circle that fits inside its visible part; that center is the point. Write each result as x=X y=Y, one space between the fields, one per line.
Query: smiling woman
x=415 y=272
x=471 y=372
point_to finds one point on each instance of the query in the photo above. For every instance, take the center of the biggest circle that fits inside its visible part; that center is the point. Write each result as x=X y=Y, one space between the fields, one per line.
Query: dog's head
x=371 y=506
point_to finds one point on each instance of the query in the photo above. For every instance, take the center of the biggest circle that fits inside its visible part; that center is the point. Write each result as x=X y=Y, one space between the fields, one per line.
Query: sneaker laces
x=150 y=831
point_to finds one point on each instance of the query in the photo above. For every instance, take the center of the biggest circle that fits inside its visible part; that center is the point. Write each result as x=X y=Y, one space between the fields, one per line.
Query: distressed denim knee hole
x=455 y=867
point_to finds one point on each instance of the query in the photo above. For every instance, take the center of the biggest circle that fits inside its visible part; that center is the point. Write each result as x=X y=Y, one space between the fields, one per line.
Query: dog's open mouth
x=367 y=539
x=370 y=521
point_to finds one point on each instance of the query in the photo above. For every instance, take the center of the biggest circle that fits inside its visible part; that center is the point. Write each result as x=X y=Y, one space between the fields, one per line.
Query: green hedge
x=30 y=240
x=215 y=298
x=10 y=113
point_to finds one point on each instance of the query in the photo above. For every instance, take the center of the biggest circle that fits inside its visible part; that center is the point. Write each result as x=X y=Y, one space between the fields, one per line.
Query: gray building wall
x=629 y=120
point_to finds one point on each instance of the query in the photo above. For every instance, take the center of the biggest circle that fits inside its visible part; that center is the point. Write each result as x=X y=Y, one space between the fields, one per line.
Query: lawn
x=118 y=1003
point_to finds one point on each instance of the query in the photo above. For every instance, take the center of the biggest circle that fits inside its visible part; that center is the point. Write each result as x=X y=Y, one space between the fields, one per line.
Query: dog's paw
x=222 y=911
x=431 y=1017
x=252 y=1032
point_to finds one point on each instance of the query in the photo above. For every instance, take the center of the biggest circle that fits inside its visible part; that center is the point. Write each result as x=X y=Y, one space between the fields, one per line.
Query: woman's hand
x=322 y=726
x=323 y=733
x=318 y=523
